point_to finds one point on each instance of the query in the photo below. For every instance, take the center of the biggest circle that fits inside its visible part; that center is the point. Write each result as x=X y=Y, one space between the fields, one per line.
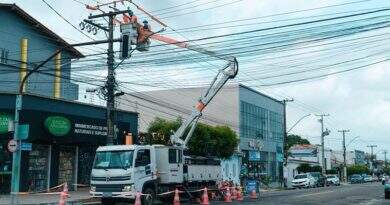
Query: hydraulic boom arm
x=228 y=72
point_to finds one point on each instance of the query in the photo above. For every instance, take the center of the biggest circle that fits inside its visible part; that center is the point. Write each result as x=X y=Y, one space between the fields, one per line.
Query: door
x=142 y=168
x=175 y=157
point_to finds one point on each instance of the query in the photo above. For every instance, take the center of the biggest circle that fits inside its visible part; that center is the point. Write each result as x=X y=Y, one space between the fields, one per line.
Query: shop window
x=37 y=168
x=66 y=166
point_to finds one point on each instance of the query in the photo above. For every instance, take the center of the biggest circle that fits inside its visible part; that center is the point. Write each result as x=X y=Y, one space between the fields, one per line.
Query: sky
x=355 y=100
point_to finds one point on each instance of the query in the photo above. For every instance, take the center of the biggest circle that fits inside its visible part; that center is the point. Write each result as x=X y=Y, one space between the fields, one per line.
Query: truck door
x=175 y=165
x=142 y=168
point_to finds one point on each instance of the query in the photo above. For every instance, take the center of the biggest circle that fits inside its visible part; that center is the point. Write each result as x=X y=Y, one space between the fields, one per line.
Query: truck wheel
x=387 y=194
x=108 y=201
x=149 y=197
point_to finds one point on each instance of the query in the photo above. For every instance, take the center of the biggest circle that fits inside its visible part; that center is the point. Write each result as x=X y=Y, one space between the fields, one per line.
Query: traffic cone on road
x=176 y=199
x=205 y=197
x=228 y=196
x=239 y=194
x=137 y=199
x=64 y=194
x=234 y=192
x=253 y=194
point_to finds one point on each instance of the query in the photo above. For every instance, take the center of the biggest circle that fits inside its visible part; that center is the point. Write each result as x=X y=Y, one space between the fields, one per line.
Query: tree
x=218 y=141
x=294 y=140
x=358 y=169
x=291 y=141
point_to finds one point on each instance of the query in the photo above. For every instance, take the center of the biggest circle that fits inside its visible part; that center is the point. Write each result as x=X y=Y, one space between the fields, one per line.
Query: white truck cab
x=119 y=171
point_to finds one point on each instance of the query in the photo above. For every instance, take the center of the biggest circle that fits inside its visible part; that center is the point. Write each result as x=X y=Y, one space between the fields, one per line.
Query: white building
x=256 y=118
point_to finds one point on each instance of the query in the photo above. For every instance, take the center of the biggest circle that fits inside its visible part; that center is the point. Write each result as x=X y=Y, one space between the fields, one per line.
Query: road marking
x=311 y=194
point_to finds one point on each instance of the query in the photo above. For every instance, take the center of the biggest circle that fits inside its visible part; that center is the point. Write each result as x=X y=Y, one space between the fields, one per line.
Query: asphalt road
x=356 y=194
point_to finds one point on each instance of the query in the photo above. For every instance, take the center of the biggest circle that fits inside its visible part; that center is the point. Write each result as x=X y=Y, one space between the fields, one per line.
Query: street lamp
x=296 y=123
x=352 y=140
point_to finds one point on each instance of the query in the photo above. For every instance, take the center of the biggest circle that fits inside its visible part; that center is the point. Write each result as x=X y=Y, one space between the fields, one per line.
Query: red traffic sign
x=12 y=145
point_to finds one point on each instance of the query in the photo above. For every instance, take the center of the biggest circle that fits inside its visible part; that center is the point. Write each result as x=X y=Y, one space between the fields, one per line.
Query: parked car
x=332 y=180
x=368 y=178
x=387 y=189
x=384 y=178
x=303 y=181
x=319 y=177
x=356 y=179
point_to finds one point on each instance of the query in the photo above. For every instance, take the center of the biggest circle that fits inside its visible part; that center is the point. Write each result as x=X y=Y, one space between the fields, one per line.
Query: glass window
x=143 y=157
x=114 y=159
x=172 y=155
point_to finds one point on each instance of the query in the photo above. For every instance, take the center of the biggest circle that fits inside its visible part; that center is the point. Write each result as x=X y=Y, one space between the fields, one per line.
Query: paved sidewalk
x=76 y=197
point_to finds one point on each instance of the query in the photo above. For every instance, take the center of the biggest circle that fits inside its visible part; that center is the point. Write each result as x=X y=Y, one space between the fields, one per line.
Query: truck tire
x=387 y=194
x=108 y=201
x=150 y=196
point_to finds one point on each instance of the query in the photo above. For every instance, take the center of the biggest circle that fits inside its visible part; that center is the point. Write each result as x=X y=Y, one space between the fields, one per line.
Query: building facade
x=63 y=134
x=23 y=44
x=61 y=142
x=256 y=118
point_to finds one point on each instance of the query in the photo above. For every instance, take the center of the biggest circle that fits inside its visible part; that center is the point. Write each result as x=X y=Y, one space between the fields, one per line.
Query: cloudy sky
x=356 y=100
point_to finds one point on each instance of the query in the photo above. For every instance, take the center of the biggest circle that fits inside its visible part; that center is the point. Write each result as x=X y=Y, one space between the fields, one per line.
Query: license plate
x=107 y=194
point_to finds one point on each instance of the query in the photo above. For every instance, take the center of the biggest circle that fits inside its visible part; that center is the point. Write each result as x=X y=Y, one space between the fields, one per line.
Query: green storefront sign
x=58 y=126
x=4 y=120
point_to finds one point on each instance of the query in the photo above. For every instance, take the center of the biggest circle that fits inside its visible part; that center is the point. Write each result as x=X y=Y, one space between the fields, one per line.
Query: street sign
x=23 y=131
x=12 y=145
x=25 y=146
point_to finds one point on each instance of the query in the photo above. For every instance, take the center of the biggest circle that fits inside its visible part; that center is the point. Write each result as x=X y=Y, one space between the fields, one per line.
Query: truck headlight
x=93 y=188
x=128 y=188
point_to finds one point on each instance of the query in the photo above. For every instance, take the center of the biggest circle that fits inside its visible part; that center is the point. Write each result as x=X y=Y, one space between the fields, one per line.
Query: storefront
x=62 y=140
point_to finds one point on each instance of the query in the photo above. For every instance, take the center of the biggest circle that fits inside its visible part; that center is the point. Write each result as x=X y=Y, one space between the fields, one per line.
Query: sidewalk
x=76 y=197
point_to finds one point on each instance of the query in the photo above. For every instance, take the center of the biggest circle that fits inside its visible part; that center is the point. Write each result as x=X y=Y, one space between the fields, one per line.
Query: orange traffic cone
x=137 y=199
x=228 y=196
x=64 y=194
x=205 y=197
x=253 y=194
x=234 y=192
x=176 y=199
x=239 y=194
x=65 y=189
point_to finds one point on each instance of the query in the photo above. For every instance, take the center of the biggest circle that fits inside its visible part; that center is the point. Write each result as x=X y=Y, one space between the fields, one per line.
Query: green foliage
x=160 y=130
x=218 y=141
x=266 y=180
x=294 y=140
x=358 y=169
x=305 y=167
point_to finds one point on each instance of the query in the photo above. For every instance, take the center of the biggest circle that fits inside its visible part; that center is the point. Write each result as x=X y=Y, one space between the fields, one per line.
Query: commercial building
x=61 y=143
x=256 y=118
x=63 y=134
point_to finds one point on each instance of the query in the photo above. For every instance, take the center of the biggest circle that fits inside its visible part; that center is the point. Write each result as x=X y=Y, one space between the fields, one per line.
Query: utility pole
x=285 y=151
x=344 y=156
x=323 y=134
x=372 y=155
x=285 y=101
x=111 y=82
x=385 y=153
